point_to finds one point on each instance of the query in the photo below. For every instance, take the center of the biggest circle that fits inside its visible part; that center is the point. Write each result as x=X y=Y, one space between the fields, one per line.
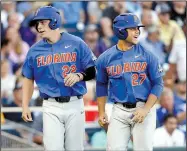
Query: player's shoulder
x=142 y=50
x=71 y=37
x=35 y=46
x=107 y=53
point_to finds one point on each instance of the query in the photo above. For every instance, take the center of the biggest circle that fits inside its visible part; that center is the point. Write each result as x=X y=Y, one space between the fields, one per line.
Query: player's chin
x=134 y=42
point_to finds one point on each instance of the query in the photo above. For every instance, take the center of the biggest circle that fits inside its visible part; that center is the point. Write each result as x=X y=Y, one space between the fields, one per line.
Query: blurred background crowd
x=164 y=35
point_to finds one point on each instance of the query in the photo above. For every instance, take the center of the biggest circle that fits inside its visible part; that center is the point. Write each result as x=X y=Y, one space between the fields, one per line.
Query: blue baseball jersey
x=48 y=64
x=129 y=75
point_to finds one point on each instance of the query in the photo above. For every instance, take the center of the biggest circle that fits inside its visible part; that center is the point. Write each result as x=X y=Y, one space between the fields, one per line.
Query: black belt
x=64 y=99
x=130 y=105
x=127 y=105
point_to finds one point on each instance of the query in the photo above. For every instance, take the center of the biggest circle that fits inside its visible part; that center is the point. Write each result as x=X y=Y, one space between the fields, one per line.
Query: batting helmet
x=48 y=13
x=124 y=21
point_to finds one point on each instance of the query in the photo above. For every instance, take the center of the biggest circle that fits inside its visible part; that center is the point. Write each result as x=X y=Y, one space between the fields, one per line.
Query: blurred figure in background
x=16 y=102
x=92 y=39
x=7 y=82
x=168 y=135
x=147 y=20
x=170 y=31
x=71 y=12
x=9 y=8
x=167 y=106
x=95 y=10
x=5 y=49
x=19 y=48
x=114 y=10
x=178 y=12
x=177 y=63
x=13 y=20
x=180 y=102
x=147 y=6
x=154 y=44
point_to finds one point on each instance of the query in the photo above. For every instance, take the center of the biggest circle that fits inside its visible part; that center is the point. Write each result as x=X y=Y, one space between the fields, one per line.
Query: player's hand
x=140 y=114
x=71 y=79
x=103 y=121
x=26 y=115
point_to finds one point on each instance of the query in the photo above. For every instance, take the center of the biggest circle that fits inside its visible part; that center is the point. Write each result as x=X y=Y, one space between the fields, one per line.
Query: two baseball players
x=134 y=77
x=60 y=64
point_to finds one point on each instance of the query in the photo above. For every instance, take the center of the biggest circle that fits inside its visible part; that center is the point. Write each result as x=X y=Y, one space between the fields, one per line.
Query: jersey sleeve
x=28 y=68
x=155 y=69
x=101 y=78
x=87 y=56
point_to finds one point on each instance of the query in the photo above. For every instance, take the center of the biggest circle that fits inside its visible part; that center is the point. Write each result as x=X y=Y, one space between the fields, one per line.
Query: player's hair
x=170 y=115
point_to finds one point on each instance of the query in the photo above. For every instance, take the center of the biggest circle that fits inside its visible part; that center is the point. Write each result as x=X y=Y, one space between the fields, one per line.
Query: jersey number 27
x=135 y=78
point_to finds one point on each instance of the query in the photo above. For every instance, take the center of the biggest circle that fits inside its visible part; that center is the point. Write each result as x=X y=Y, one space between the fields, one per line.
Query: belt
x=129 y=105
x=64 y=99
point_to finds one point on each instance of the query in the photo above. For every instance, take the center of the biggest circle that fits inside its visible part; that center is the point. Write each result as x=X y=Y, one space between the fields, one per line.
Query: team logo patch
x=160 y=69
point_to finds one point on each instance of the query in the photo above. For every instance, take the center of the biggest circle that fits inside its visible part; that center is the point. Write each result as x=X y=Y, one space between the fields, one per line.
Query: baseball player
x=134 y=76
x=60 y=64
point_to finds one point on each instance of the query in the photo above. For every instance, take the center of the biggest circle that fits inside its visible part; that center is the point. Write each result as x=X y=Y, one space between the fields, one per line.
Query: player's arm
x=155 y=73
x=101 y=90
x=28 y=87
x=156 y=91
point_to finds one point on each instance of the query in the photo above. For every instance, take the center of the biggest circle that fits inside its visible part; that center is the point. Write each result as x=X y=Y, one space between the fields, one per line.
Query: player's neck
x=53 y=39
x=124 y=46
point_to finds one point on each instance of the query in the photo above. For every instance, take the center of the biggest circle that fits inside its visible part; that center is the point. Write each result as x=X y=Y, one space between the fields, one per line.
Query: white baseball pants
x=63 y=125
x=121 y=128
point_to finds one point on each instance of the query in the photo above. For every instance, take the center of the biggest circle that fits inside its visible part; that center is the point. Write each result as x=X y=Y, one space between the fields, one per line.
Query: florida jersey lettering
x=56 y=58
x=127 y=67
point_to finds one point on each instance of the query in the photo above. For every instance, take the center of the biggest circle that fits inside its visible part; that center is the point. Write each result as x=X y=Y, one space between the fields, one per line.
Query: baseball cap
x=163 y=8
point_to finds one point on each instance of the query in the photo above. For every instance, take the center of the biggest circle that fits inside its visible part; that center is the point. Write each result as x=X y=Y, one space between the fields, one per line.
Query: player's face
x=43 y=28
x=133 y=34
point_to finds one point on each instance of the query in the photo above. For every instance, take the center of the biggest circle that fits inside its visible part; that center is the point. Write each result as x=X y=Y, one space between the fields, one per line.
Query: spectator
x=177 y=60
x=13 y=20
x=167 y=105
x=19 y=47
x=170 y=31
x=133 y=6
x=16 y=102
x=147 y=6
x=178 y=12
x=5 y=49
x=91 y=37
x=180 y=102
x=8 y=8
x=147 y=20
x=154 y=44
x=168 y=135
x=72 y=12
x=112 y=11
x=95 y=9
x=7 y=82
